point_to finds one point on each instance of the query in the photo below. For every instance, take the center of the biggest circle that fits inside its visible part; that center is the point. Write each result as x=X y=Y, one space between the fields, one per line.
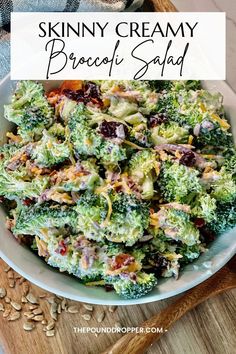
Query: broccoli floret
x=177 y=225
x=30 y=110
x=83 y=176
x=225 y=217
x=230 y=165
x=92 y=211
x=223 y=187
x=169 y=134
x=189 y=253
x=128 y=288
x=64 y=108
x=204 y=207
x=49 y=152
x=178 y=182
x=129 y=219
x=211 y=133
x=87 y=142
x=57 y=130
x=35 y=219
x=143 y=169
x=168 y=85
x=12 y=186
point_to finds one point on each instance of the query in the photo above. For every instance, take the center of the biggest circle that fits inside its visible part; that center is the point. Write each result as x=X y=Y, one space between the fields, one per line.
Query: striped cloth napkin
x=7 y=6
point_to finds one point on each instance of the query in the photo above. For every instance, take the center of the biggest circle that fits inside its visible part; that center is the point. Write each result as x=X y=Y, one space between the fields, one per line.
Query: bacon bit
x=151 y=211
x=122 y=260
x=108 y=287
x=73 y=85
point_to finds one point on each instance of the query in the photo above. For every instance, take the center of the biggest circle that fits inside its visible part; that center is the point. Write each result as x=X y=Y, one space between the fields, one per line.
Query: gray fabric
x=7 y=6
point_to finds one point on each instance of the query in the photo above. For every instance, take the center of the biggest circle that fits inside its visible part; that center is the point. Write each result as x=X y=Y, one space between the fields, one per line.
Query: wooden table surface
x=210 y=328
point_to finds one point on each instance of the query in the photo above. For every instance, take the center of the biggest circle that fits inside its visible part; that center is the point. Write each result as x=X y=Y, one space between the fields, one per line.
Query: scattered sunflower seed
x=16 y=306
x=51 y=299
x=3 y=293
x=7 y=269
x=63 y=304
x=100 y=316
x=112 y=308
x=37 y=311
x=14 y=316
x=7 y=312
x=50 y=333
x=23 y=300
x=18 y=276
x=50 y=326
x=7 y=300
x=31 y=298
x=33 y=307
x=28 y=314
x=28 y=326
x=44 y=322
x=22 y=280
x=25 y=288
x=86 y=316
x=1 y=307
x=59 y=297
x=38 y=318
x=10 y=274
x=59 y=308
x=53 y=311
x=42 y=296
x=88 y=307
x=73 y=309
x=11 y=283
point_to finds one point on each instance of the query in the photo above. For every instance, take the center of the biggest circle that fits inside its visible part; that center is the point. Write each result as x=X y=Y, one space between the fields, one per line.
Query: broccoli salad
x=118 y=183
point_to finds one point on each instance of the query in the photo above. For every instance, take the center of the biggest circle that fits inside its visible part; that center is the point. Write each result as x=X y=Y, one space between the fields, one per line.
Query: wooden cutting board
x=210 y=328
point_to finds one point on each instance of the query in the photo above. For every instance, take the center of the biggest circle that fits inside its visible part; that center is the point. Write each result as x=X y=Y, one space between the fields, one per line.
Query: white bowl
x=38 y=272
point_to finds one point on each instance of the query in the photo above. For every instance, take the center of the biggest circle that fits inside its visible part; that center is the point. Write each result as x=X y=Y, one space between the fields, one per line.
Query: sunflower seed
x=10 y=274
x=14 y=316
x=33 y=307
x=50 y=326
x=16 y=306
x=7 y=300
x=23 y=300
x=59 y=297
x=3 y=293
x=29 y=315
x=6 y=313
x=31 y=298
x=59 y=308
x=73 y=309
x=38 y=318
x=38 y=311
x=51 y=299
x=44 y=322
x=86 y=316
x=63 y=304
x=1 y=307
x=53 y=311
x=50 y=333
x=28 y=326
x=7 y=269
x=18 y=276
x=25 y=288
x=42 y=296
x=100 y=316
x=11 y=283
x=22 y=280
x=112 y=308
x=88 y=307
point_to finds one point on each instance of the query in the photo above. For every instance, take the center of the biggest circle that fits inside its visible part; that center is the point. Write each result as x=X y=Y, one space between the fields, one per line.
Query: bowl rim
x=204 y=275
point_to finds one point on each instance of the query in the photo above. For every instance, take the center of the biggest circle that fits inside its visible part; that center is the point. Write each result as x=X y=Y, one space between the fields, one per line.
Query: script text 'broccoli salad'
x=119 y=183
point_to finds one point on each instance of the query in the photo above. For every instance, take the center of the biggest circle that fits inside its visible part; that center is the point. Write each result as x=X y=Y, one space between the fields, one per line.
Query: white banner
x=172 y=46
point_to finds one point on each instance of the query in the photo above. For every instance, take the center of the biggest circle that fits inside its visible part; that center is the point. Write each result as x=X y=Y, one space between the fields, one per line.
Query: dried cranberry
x=62 y=248
x=159 y=264
x=113 y=129
x=157 y=119
x=91 y=90
x=2 y=199
x=199 y=222
x=207 y=235
x=108 y=287
x=27 y=202
x=188 y=159
x=89 y=94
